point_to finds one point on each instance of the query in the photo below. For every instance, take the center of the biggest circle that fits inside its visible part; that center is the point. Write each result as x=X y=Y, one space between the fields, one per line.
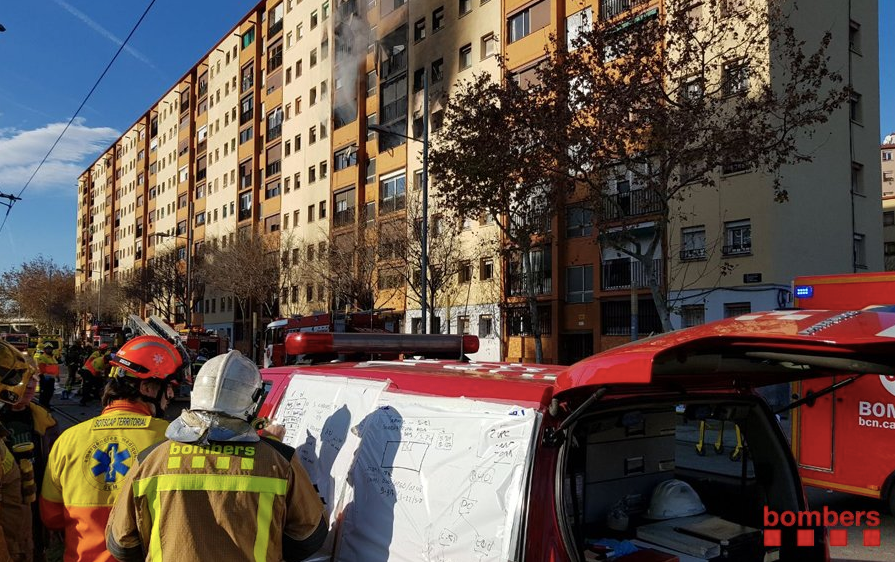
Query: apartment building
x=887 y=169
x=270 y=131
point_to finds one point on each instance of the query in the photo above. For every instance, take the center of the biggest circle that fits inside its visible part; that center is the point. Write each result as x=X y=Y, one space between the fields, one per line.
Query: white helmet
x=674 y=498
x=229 y=384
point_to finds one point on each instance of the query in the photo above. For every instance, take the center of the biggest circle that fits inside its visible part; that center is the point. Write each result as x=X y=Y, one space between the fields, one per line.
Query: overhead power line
x=96 y=84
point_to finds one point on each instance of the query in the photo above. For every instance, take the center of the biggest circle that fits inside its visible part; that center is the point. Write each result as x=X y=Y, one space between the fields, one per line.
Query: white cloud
x=104 y=32
x=21 y=152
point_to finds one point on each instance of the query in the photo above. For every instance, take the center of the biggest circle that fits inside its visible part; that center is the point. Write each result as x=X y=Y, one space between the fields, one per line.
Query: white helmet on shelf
x=674 y=498
x=229 y=384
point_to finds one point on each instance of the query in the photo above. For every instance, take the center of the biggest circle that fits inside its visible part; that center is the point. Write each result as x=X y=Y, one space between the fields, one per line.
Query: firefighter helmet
x=146 y=357
x=229 y=384
x=13 y=370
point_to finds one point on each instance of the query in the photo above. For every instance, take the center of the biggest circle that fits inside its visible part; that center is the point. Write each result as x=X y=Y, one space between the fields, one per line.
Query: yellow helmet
x=14 y=369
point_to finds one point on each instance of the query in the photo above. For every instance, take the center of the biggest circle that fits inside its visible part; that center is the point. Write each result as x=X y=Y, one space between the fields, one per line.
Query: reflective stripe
x=266 y=487
x=262 y=532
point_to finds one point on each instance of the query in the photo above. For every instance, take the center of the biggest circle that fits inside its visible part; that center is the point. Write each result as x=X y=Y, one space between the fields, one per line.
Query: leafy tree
x=41 y=290
x=661 y=101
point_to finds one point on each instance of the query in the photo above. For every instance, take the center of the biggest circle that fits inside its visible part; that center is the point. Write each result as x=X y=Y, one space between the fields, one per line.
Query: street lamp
x=188 y=302
x=99 y=289
x=424 y=230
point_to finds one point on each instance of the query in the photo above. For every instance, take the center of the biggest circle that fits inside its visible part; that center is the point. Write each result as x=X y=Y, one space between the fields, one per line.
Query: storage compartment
x=723 y=452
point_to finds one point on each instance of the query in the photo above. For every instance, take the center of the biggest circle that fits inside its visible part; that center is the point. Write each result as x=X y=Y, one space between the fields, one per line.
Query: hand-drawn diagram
x=438 y=480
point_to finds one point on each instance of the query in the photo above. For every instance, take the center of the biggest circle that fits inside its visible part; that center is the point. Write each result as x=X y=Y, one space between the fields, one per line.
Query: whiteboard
x=318 y=414
x=436 y=479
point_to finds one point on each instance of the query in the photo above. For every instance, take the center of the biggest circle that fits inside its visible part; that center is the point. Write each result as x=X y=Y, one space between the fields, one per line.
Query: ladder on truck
x=155 y=326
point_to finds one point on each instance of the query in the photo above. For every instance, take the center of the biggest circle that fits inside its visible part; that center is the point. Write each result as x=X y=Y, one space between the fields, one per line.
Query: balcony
x=245 y=181
x=246 y=117
x=272 y=169
x=203 y=89
x=693 y=254
x=274 y=132
x=394 y=64
x=247 y=83
x=611 y=8
x=395 y=110
x=344 y=217
x=244 y=214
x=392 y=204
x=617 y=274
x=200 y=174
x=744 y=249
x=274 y=28
x=275 y=62
x=617 y=206
x=542 y=283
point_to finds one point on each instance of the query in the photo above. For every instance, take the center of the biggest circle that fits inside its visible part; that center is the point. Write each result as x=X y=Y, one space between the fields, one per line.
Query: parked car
x=445 y=459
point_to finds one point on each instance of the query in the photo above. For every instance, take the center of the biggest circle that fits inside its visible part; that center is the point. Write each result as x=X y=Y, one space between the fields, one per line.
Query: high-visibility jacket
x=85 y=471
x=95 y=364
x=15 y=513
x=230 y=501
x=46 y=364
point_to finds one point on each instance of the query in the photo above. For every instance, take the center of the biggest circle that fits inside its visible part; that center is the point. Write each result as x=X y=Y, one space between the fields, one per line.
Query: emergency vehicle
x=18 y=341
x=840 y=433
x=275 y=354
x=105 y=334
x=447 y=459
x=204 y=342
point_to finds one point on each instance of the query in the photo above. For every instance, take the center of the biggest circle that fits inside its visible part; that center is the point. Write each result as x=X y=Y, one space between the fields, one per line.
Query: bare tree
x=161 y=285
x=659 y=104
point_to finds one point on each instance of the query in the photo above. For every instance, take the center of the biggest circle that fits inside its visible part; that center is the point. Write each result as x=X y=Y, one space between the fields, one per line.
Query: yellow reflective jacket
x=15 y=513
x=86 y=468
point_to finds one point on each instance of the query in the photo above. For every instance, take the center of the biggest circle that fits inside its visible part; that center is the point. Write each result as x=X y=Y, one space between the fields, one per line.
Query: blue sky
x=53 y=51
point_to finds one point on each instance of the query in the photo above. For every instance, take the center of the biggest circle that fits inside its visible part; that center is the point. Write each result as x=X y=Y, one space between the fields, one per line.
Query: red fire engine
x=467 y=461
x=275 y=335
x=840 y=434
x=204 y=342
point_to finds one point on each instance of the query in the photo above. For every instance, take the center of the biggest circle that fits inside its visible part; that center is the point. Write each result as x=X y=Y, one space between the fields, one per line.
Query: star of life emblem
x=157 y=358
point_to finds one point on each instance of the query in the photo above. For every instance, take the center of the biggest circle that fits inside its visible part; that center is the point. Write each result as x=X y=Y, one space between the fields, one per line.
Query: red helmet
x=147 y=357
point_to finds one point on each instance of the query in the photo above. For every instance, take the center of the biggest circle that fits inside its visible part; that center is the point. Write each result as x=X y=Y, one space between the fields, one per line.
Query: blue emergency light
x=804 y=291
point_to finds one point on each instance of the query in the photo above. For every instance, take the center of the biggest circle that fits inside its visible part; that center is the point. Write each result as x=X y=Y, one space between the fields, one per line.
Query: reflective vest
x=86 y=468
x=46 y=364
x=15 y=513
x=224 y=501
x=95 y=364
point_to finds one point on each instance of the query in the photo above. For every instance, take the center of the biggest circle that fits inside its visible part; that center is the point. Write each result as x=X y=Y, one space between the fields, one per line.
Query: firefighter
x=49 y=371
x=15 y=510
x=93 y=373
x=31 y=433
x=89 y=461
x=228 y=493
x=73 y=360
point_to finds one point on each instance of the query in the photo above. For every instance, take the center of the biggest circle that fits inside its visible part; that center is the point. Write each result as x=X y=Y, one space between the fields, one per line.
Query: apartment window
x=311 y=214
x=486 y=269
x=314 y=19
x=860 y=251
x=371 y=83
x=463 y=325
x=579 y=222
x=437 y=19
x=889 y=249
x=580 y=283
x=855 y=110
x=854 y=36
x=245 y=174
x=323 y=166
x=344 y=158
x=489 y=46
x=465 y=56
x=486 y=326
x=693 y=243
x=734 y=309
x=889 y=218
x=887 y=177
x=287 y=147
x=465 y=7
x=692 y=315
x=576 y=24
x=312 y=135
x=736 y=78
x=321 y=207
x=370 y=172
x=523 y=23
x=313 y=96
x=275 y=57
x=737 y=238
x=857 y=178
x=245 y=206
x=246 y=110
x=437 y=70
x=464 y=272
x=313 y=58
x=297 y=143
x=419 y=29
x=392 y=194
x=312 y=174
x=274 y=124
x=248 y=38
x=887 y=156
x=272 y=189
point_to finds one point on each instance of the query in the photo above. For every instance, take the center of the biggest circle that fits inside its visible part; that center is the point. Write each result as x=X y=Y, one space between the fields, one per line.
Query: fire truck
x=839 y=435
x=202 y=342
x=106 y=334
x=459 y=460
x=275 y=354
